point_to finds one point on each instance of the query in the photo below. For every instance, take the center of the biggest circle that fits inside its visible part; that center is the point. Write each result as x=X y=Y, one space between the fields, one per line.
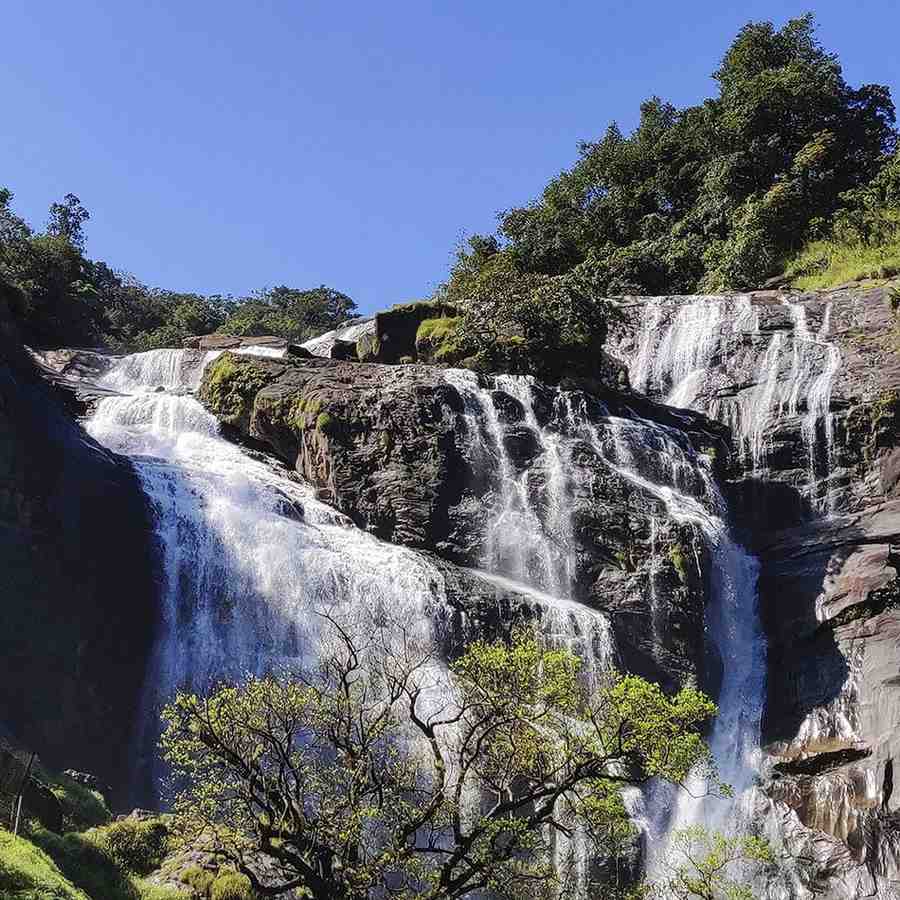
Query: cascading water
x=249 y=556
x=682 y=480
x=661 y=462
x=681 y=340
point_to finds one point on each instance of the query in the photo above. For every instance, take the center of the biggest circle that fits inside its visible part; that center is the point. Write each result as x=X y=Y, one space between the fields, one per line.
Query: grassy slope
x=826 y=264
x=74 y=867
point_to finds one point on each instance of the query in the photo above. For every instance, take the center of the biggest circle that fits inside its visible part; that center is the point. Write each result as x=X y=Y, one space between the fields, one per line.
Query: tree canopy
x=378 y=770
x=62 y=297
x=710 y=196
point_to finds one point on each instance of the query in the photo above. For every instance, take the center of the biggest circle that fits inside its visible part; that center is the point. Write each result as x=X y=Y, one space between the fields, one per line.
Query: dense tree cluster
x=60 y=296
x=713 y=196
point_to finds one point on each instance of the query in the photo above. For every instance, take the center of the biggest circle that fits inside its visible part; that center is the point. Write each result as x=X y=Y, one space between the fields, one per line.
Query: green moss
x=677 y=558
x=438 y=339
x=198 y=879
x=89 y=866
x=28 y=872
x=81 y=807
x=231 y=886
x=230 y=385
x=304 y=411
x=136 y=845
x=224 y=885
x=397 y=329
x=328 y=424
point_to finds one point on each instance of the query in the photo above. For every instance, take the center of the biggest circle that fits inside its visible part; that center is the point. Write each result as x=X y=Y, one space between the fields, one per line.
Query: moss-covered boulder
x=438 y=341
x=397 y=329
x=231 y=383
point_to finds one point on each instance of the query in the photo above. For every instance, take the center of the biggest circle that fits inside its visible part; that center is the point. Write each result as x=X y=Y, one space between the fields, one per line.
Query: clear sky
x=226 y=146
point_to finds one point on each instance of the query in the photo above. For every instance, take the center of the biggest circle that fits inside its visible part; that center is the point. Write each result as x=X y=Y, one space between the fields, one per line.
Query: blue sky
x=222 y=147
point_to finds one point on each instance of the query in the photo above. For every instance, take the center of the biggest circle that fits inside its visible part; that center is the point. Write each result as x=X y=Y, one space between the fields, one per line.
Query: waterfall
x=699 y=331
x=661 y=461
x=683 y=342
x=250 y=557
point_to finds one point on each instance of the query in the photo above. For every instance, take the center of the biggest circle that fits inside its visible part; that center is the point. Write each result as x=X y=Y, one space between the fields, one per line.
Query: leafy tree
x=67 y=220
x=378 y=770
x=288 y=312
x=707 y=865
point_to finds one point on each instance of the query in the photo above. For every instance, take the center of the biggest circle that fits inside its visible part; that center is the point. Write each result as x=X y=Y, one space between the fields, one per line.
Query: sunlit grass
x=827 y=264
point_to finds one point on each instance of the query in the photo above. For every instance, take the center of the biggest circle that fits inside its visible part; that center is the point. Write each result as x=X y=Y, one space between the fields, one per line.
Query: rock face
x=78 y=579
x=427 y=459
x=809 y=385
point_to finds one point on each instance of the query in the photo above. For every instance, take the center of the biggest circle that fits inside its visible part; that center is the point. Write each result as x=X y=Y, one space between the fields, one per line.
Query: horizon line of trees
x=58 y=295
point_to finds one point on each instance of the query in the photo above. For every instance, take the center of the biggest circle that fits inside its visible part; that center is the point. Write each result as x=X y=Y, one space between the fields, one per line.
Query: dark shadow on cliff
x=795 y=544
x=78 y=592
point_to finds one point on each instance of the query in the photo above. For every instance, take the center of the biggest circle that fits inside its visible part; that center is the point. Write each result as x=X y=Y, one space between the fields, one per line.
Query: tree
x=380 y=769
x=707 y=865
x=710 y=196
x=290 y=313
x=67 y=220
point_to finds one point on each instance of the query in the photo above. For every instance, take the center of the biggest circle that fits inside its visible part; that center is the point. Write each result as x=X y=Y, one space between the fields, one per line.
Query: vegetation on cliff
x=712 y=196
x=104 y=863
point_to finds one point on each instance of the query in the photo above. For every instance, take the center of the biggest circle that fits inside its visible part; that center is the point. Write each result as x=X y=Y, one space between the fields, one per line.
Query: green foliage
x=862 y=242
x=705 y=865
x=59 y=296
x=290 y=313
x=136 y=845
x=531 y=323
x=710 y=196
x=27 y=872
x=348 y=777
x=327 y=423
x=231 y=886
x=67 y=220
x=82 y=807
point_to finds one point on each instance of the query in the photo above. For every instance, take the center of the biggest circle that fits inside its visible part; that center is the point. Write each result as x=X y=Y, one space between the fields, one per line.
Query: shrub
x=136 y=845
x=231 y=886
x=82 y=807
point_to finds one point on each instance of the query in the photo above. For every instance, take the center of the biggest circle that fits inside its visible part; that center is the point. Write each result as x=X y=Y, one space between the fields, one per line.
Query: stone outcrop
x=809 y=384
x=392 y=447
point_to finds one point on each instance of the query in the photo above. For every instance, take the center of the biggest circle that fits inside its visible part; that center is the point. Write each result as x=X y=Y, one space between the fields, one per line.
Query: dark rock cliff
x=78 y=595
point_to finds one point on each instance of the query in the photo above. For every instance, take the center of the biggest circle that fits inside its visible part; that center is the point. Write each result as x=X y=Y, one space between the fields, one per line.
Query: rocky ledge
x=395 y=448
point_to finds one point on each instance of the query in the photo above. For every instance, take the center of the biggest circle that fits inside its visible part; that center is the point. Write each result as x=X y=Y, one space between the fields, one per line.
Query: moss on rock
x=437 y=340
x=230 y=385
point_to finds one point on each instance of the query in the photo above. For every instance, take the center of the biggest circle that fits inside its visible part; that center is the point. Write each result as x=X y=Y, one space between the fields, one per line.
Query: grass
x=827 y=264
x=28 y=873
x=45 y=866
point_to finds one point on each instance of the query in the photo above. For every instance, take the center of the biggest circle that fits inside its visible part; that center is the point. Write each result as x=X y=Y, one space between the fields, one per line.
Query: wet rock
x=397 y=449
x=79 y=568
